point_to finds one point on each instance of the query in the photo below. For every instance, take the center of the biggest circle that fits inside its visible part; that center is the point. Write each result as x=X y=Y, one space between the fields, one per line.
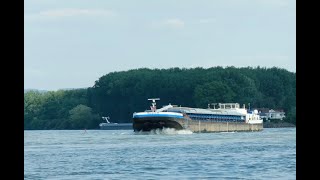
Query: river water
x=168 y=154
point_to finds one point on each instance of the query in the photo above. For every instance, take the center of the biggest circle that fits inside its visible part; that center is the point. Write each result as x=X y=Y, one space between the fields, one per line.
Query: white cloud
x=76 y=12
x=68 y=12
x=171 y=23
x=176 y=23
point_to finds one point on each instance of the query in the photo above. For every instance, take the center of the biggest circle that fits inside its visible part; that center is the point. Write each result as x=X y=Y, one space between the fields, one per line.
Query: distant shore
x=277 y=125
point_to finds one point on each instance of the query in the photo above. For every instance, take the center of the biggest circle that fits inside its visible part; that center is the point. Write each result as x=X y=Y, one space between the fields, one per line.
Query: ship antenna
x=106 y=118
x=153 y=107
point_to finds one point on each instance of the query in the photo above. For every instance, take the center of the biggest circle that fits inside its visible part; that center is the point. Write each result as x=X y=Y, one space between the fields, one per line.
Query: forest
x=120 y=94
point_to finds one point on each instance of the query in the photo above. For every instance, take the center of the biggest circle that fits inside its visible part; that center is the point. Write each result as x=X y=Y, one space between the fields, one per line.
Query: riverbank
x=277 y=125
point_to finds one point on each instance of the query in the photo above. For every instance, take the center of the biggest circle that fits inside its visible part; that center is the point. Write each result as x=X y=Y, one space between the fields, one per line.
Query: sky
x=72 y=43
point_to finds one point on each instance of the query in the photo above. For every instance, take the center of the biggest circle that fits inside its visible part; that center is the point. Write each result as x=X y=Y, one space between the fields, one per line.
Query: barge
x=223 y=117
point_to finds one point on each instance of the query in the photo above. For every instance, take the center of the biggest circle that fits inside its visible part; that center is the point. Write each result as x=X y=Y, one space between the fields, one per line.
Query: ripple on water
x=103 y=154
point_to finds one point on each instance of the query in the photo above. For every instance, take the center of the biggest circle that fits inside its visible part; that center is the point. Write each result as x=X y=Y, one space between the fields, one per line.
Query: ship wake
x=165 y=131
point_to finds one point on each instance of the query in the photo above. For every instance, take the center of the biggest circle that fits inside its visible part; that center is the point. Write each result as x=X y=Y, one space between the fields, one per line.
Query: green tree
x=213 y=92
x=119 y=94
x=80 y=117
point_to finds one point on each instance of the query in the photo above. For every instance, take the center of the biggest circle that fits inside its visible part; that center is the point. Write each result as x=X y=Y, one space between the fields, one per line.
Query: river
x=168 y=154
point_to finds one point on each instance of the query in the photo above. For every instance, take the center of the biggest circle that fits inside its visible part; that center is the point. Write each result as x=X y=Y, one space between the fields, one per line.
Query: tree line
x=120 y=94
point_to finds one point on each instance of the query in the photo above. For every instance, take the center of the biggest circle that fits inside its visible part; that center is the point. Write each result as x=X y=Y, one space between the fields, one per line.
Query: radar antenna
x=153 y=107
x=106 y=118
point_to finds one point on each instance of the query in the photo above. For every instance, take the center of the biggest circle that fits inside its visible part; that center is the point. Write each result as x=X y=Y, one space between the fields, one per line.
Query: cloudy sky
x=71 y=43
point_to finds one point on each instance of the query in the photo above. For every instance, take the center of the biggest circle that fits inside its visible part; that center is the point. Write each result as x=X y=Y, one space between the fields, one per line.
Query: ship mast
x=106 y=118
x=153 y=107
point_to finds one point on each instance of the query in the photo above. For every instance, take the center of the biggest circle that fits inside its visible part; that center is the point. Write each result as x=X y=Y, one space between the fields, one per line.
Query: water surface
x=123 y=154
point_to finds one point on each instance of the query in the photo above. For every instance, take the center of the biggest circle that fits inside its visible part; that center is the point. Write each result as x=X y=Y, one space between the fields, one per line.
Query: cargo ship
x=222 y=117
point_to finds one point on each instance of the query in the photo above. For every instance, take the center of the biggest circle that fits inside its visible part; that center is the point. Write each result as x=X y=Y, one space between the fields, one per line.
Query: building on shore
x=271 y=114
